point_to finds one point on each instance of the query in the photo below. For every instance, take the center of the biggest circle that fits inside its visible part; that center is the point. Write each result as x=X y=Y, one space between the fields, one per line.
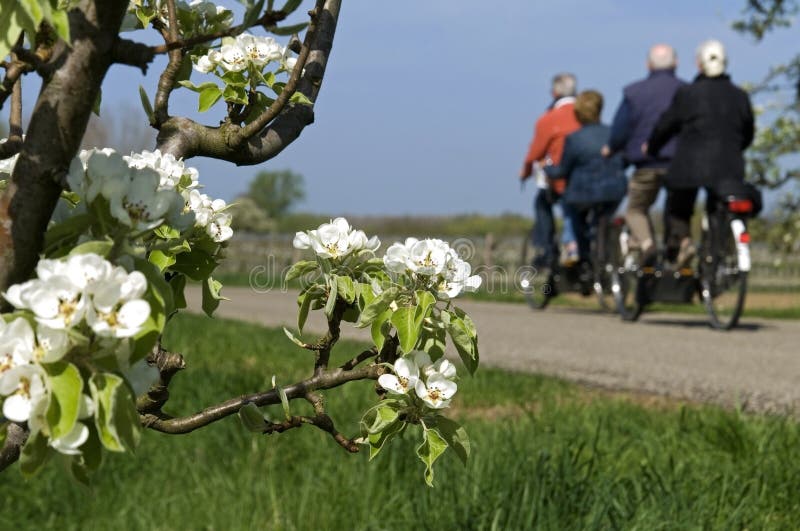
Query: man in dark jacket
x=713 y=121
x=643 y=103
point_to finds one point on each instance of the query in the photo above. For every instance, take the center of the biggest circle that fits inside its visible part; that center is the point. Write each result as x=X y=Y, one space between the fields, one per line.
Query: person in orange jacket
x=546 y=148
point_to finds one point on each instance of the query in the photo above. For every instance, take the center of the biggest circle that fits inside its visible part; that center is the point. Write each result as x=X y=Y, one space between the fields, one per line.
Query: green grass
x=546 y=455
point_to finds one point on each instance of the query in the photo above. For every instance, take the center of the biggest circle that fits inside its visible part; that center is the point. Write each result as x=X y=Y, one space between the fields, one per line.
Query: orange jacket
x=550 y=132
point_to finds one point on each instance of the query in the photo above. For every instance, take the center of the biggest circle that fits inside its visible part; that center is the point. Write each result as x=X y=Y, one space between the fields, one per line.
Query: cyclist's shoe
x=648 y=257
x=569 y=255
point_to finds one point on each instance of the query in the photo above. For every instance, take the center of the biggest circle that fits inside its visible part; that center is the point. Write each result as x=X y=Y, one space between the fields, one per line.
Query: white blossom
x=210 y=215
x=117 y=309
x=23 y=386
x=336 y=239
x=436 y=391
x=405 y=377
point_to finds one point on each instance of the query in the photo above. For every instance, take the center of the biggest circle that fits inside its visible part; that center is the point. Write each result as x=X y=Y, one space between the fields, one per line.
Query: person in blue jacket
x=642 y=104
x=595 y=184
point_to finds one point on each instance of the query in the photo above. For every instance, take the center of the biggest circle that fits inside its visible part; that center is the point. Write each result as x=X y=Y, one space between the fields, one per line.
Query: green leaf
x=178 y=284
x=301 y=268
x=465 y=344
x=379 y=305
x=208 y=97
x=235 y=94
x=95 y=246
x=198 y=88
x=252 y=13
x=148 y=108
x=378 y=440
x=299 y=97
x=161 y=259
x=376 y=329
x=346 y=289
x=290 y=6
x=284 y=401
x=404 y=321
x=197 y=265
x=292 y=338
x=425 y=300
x=433 y=341
x=66 y=387
x=455 y=435
x=252 y=418
x=211 y=296
x=65 y=234
x=468 y=323
x=97 y=102
x=12 y=21
x=60 y=22
x=288 y=30
x=34 y=454
x=333 y=293
x=116 y=418
x=433 y=445
x=305 y=304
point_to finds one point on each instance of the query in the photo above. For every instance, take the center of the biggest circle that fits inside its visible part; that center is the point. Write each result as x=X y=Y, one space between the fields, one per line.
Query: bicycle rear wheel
x=723 y=286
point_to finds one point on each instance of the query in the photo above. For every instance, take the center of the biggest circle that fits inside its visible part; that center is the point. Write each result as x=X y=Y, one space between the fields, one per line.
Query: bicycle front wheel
x=538 y=287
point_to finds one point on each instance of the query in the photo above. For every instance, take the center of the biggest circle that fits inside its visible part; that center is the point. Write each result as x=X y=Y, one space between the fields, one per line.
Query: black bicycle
x=541 y=284
x=718 y=277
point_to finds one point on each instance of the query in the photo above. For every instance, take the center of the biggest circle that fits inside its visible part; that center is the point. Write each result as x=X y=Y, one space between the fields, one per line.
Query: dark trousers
x=544 y=230
x=678 y=217
x=587 y=221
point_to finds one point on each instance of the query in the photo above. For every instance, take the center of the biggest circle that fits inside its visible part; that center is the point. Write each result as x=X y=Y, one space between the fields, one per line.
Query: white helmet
x=711 y=58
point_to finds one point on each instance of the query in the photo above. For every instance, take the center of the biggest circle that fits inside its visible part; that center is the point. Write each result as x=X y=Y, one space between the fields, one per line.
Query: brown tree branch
x=185 y=138
x=132 y=53
x=357 y=360
x=326 y=380
x=57 y=124
x=168 y=364
x=16 y=435
x=166 y=82
x=254 y=127
x=269 y=18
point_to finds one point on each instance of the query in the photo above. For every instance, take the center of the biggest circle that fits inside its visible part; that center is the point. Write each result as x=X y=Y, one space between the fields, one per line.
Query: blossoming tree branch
x=97 y=247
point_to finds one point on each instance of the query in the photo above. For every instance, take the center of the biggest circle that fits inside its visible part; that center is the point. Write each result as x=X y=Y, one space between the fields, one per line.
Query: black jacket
x=713 y=120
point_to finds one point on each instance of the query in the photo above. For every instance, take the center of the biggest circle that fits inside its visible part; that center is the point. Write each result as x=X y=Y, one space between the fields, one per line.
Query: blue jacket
x=642 y=104
x=591 y=178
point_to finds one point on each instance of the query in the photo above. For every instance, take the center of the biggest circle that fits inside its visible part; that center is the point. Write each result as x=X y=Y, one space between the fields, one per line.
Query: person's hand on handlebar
x=605 y=151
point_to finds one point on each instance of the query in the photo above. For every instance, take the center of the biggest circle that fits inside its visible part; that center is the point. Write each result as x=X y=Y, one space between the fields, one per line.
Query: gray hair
x=564 y=84
x=662 y=56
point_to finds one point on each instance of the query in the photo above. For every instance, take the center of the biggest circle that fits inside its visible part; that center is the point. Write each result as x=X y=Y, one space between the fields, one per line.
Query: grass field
x=546 y=455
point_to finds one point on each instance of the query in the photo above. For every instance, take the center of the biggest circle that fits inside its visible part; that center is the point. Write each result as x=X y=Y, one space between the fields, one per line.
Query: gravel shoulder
x=755 y=367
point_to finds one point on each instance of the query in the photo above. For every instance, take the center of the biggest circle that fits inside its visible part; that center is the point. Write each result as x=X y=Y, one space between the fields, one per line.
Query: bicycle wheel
x=537 y=286
x=723 y=285
x=626 y=281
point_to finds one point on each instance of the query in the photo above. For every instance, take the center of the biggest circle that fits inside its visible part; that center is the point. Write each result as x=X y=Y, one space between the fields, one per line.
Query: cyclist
x=643 y=103
x=713 y=121
x=546 y=147
x=595 y=184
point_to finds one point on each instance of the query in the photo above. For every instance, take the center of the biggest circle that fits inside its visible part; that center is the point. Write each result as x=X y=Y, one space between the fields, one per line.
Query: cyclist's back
x=713 y=121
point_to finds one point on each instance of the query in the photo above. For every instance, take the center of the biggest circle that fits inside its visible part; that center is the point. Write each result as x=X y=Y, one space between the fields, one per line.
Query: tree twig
x=326 y=380
x=168 y=364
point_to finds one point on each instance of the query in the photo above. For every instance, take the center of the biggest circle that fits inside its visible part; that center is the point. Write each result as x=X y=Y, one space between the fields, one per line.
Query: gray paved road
x=756 y=365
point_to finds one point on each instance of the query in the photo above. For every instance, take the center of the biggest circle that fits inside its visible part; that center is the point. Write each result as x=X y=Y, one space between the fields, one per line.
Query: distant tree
x=249 y=217
x=277 y=191
x=770 y=161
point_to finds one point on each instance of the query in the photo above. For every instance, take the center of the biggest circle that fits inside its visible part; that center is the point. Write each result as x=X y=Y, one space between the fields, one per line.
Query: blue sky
x=427 y=107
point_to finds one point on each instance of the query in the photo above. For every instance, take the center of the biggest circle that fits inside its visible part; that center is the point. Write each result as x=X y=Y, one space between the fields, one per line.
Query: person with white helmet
x=713 y=121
